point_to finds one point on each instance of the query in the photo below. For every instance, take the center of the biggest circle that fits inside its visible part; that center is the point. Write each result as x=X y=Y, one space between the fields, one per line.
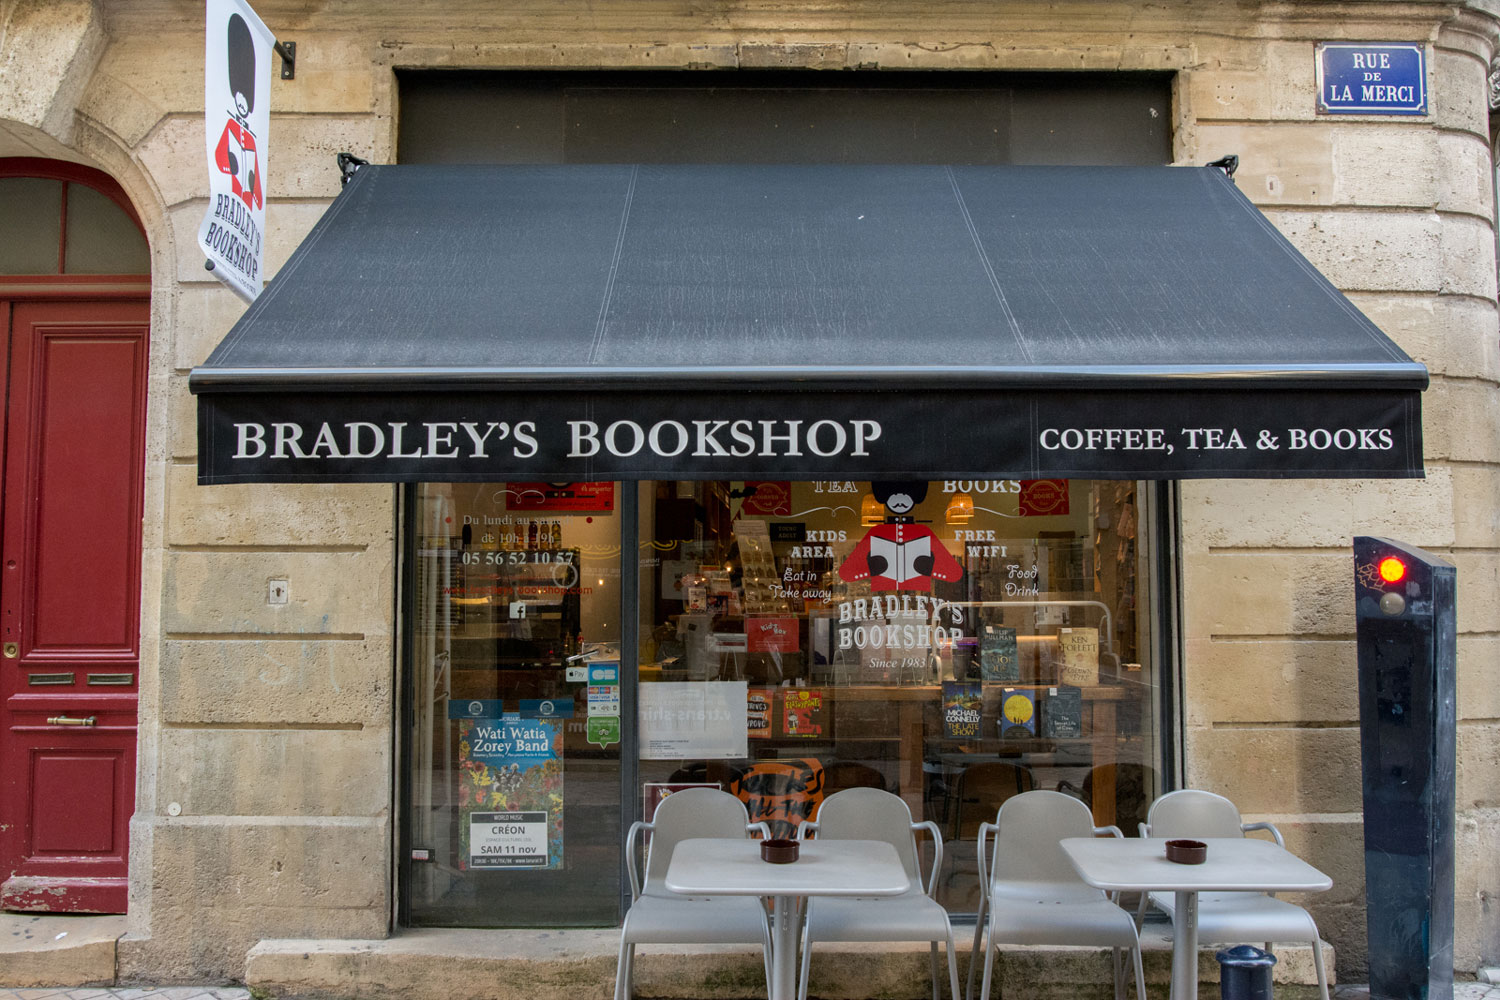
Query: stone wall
x=1399 y=214
x=266 y=802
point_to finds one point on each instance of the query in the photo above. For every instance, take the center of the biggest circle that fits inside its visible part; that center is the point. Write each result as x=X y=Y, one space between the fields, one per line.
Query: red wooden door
x=74 y=455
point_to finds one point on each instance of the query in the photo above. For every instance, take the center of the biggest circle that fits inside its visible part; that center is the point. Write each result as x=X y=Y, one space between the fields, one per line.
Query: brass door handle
x=12 y=650
x=63 y=720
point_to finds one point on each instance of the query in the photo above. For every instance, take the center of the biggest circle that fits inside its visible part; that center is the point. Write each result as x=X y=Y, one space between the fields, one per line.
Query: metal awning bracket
x=1229 y=164
x=348 y=164
x=288 y=53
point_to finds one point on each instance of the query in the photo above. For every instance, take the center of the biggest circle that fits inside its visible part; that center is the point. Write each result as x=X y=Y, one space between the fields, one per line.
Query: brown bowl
x=778 y=851
x=1187 y=852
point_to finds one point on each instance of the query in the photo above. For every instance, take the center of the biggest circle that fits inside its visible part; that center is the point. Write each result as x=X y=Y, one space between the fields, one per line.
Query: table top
x=1134 y=864
x=732 y=867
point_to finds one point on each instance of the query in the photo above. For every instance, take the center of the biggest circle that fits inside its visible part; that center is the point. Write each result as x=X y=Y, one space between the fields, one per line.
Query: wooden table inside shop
x=1099 y=722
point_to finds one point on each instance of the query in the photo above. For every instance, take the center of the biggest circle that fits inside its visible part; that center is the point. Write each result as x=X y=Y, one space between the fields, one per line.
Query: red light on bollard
x=1392 y=570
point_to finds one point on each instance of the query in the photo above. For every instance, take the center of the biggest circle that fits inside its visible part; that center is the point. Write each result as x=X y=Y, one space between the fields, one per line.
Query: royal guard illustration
x=236 y=154
x=900 y=554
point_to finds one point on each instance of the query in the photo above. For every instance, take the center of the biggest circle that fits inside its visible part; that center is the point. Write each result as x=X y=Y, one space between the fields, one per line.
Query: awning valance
x=598 y=322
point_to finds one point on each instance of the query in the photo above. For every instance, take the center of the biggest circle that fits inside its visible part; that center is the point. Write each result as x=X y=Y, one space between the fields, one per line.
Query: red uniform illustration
x=236 y=156
x=900 y=557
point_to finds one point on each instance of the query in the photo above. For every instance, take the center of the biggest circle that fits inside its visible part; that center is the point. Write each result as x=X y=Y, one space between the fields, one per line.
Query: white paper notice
x=698 y=719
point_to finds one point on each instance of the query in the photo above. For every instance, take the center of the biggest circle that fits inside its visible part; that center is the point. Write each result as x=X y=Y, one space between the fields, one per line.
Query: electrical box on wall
x=1406 y=637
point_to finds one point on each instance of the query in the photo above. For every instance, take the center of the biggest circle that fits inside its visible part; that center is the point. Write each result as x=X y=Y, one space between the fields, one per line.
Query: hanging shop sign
x=1372 y=78
x=237 y=126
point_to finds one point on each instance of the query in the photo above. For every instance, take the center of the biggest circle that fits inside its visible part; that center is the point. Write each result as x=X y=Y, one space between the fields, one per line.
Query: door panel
x=70 y=601
x=85 y=519
x=66 y=819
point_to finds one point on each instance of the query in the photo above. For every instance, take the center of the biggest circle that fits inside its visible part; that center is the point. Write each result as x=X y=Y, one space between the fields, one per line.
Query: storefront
x=695 y=290
x=855 y=485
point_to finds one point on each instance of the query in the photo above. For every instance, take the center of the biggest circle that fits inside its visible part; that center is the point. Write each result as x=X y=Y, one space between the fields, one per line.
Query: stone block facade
x=265 y=805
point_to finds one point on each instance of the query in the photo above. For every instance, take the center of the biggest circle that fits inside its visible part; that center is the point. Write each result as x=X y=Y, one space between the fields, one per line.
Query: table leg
x=1185 y=947
x=784 y=948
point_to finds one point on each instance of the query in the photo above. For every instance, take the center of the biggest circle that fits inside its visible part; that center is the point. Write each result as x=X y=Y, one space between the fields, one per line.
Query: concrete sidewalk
x=38 y=950
x=1461 y=991
x=131 y=993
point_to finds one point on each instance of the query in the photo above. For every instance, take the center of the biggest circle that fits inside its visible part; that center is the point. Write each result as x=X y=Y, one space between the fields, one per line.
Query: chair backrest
x=692 y=812
x=871 y=814
x=982 y=789
x=1191 y=812
x=1031 y=824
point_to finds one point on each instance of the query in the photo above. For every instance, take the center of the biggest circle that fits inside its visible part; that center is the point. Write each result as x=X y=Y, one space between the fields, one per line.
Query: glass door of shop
x=513 y=681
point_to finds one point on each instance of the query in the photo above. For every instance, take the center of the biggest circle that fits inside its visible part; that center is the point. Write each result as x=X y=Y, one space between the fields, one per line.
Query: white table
x=1234 y=864
x=732 y=867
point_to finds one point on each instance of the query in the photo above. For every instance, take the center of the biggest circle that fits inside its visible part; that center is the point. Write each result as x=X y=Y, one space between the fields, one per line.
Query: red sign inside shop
x=1041 y=497
x=771 y=635
x=591 y=497
x=768 y=497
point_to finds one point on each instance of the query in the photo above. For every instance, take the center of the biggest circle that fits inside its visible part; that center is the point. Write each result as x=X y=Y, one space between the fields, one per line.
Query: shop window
x=62 y=219
x=953 y=642
x=513 y=674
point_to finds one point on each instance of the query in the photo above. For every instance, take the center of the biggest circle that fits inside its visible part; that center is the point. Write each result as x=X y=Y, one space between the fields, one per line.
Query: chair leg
x=806 y=964
x=1119 y=970
x=989 y=967
x=974 y=951
x=623 y=970
x=952 y=967
x=1317 y=947
x=932 y=963
x=1140 y=973
x=765 y=956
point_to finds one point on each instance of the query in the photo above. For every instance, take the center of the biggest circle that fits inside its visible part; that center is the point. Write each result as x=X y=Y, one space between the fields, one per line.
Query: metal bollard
x=1245 y=973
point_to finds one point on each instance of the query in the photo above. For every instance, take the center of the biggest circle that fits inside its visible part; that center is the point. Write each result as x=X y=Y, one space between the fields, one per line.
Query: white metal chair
x=1033 y=894
x=659 y=916
x=1228 y=917
x=875 y=814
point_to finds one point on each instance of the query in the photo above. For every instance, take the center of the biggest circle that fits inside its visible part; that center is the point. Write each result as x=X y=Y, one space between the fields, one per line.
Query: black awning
x=597 y=322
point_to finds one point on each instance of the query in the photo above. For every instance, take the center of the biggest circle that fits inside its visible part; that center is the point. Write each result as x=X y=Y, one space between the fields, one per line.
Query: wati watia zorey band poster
x=510 y=794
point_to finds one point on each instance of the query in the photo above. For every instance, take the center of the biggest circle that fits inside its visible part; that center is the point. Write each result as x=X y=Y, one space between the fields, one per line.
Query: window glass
x=102 y=239
x=952 y=642
x=513 y=676
x=30 y=217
